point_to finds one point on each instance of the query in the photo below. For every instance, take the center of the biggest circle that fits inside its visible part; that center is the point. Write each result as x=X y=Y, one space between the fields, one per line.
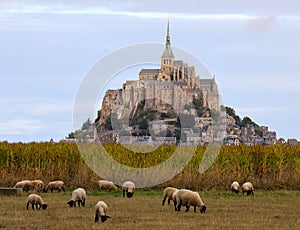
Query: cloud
x=263 y=23
x=20 y=126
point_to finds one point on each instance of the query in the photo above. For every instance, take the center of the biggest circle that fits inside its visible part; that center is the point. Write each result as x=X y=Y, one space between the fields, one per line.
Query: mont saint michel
x=152 y=103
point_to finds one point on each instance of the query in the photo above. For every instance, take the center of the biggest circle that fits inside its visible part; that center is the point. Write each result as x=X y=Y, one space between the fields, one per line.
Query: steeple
x=168 y=39
x=167 y=57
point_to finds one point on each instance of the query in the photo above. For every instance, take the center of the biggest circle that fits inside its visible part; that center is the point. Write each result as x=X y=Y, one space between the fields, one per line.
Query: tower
x=167 y=58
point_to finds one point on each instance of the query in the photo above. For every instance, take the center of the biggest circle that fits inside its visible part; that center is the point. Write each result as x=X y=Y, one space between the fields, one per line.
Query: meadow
x=274 y=171
x=225 y=210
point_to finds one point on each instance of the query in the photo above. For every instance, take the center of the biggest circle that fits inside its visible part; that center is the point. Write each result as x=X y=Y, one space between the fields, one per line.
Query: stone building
x=173 y=86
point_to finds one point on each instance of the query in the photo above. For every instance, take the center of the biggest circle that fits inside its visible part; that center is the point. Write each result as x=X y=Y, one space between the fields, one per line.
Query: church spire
x=168 y=51
x=168 y=39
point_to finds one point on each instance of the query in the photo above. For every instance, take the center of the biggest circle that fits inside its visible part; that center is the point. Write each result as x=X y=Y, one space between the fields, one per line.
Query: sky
x=47 y=48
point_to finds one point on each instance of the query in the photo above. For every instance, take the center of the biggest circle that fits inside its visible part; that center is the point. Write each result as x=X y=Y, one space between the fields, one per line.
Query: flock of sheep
x=180 y=197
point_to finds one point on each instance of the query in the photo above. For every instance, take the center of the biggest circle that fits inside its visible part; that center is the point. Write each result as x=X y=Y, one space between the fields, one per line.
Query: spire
x=168 y=39
x=168 y=51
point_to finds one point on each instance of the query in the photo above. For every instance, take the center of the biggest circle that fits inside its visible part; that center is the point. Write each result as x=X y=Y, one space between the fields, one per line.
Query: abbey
x=173 y=86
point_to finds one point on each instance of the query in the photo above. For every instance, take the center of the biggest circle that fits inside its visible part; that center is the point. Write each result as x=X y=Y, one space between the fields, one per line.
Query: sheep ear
x=107 y=216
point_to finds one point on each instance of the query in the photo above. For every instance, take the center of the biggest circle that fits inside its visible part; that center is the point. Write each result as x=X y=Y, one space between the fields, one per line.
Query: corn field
x=267 y=167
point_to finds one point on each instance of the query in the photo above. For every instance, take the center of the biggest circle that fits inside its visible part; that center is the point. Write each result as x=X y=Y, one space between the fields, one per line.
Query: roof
x=168 y=53
x=149 y=71
x=207 y=81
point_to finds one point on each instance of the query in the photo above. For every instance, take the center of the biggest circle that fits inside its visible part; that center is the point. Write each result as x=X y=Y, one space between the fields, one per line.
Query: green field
x=264 y=210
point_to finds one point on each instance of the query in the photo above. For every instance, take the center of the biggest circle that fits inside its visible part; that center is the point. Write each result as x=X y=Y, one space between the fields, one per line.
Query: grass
x=265 y=210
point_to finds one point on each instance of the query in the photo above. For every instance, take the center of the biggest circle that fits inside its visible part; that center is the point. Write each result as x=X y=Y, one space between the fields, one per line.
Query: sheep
x=31 y=185
x=101 y=209
x=235 y=187
x=105 y=184
x=78 y=195
x=128 y=188
x=55 y=185
x=40 y=186
x=189 y=198
x=20 y=184
x=37 y=201
x=248 y=188
x=168 y=193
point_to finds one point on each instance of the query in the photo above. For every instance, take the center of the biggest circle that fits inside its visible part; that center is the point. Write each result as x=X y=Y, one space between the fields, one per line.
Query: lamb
x=248 y=188
x=128 y=188
x=189 y=198
x=101 y=209
x=78 y=195
x=235 y=187
x=37 y=201
x=105 y=184
x=55 y=185
x=168 y=193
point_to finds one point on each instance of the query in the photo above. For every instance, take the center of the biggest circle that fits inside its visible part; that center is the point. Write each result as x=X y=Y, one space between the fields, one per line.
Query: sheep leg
x=163 y=201
x=79 y=201
x=83 y=202
x=169 y=201
x=63 y=188
x=194 y=208
x=175 y=204
x=187 y=208
x=178 y=207
x=123 y=193
x=32 y=205
x=27 y=205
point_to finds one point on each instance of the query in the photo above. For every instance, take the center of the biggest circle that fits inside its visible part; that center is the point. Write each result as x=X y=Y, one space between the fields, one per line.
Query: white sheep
x=55 y=185
x=20 y=184
x=105 y=184
x=37 y=201
x=188 y=198
x=40 y=186
x=128 y=188
x=27 y=185
x=168 y=193
x=78 y=195
x=248 y=188
x=100 y=211
x=235 y=187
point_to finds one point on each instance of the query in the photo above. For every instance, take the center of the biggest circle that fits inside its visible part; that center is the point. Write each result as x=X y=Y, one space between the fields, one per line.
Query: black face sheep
x=168 y=193
x=105 y=184
x=235 y=187
x=189 y=198
x=78 y=195
x=101 y=209
x=37 y=201
x=247 y=187
x=128 y=188
x=55 y=185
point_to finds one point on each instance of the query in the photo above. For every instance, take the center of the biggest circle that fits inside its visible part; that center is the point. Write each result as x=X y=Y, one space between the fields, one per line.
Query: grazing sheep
x=21 y=184
x=78 y=195
x=128 y=188
x=37 y=201
x=55 y=185
x=101 y=209
x=248 y=188
x=40 y=185
x=31 y=185
x=189 y=198
x=235 y=187
x=105 y=184
x=168 y=193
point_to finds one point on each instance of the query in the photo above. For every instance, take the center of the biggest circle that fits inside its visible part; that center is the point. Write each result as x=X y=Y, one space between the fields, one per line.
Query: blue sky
x=47 y=47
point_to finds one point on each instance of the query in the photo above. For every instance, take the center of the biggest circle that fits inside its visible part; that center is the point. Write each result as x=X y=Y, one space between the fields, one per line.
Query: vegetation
x=268 y=167
x=265 y=210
